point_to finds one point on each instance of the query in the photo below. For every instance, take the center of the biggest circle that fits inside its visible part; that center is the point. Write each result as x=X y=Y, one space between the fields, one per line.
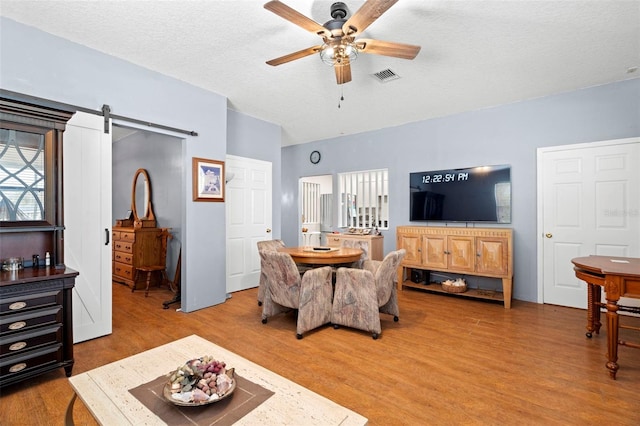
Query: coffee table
x=105 y=390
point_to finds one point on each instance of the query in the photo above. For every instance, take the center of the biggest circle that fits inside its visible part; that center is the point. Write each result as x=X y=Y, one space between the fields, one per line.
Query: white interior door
x=589 y=205
x=87 y=218
x=248 y=215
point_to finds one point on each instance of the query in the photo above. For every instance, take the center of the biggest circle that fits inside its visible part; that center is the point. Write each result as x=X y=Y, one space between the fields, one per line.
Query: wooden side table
x=620 y=277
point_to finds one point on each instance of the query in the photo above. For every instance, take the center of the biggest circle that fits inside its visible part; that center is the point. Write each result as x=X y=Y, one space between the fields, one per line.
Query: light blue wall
x=508 y=134
x=38 y=64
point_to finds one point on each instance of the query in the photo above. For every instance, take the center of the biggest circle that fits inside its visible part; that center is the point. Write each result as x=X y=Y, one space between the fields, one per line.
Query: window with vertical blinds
x=310 y=202
x=364 y=199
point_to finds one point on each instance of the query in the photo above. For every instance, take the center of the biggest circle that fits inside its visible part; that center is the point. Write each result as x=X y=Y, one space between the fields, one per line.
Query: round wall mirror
x=141 y=199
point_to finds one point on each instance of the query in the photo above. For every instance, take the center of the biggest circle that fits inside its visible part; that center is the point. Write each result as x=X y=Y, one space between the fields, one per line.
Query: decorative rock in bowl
x=200 y=381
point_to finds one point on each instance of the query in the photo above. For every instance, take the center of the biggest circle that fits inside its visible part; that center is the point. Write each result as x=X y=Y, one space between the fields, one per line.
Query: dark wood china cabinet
x=36 y=330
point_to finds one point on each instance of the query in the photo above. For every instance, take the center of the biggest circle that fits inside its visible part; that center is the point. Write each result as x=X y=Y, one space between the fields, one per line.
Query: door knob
x=268 y=230
x=548 y=235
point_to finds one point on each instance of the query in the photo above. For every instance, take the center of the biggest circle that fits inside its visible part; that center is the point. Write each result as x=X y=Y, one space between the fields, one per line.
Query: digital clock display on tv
x=445 y=177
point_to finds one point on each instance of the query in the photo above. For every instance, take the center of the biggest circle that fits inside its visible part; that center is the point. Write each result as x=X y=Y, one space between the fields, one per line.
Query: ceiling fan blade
x=387 y=48
x=297 y=18
x=295 y=55
x=368 y=12
x=343 y=71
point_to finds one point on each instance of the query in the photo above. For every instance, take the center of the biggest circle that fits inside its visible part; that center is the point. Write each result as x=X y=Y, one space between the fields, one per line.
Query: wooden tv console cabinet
x=486 y=252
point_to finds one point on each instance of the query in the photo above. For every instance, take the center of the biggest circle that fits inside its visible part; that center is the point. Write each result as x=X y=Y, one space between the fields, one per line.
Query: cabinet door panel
x=411 y=243
x=435 y=251
x=461 y=253
x=492 y=254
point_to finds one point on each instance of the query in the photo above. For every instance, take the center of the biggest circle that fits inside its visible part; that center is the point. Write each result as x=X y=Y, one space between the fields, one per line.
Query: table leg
x=146 y=290
x=612 y=337
x=597 y=304
x=135 y=280
x=68 y=416
x=591 y=308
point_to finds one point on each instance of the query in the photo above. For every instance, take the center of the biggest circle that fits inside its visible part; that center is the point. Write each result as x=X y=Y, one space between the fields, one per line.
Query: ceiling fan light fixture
x=339 y=35
x=335 y=52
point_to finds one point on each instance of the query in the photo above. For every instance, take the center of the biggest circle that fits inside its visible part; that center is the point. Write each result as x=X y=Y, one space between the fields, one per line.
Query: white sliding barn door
x=248 y=216
x=87 y=218
x=590 y=205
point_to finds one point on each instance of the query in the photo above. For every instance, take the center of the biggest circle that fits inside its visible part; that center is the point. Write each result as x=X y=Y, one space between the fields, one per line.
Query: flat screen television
x=474 y=194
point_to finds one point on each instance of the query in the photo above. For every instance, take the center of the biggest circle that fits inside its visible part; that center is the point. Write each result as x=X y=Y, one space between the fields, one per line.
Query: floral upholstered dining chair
x=361 y=244
x=266 y=245
x=285 y=289
x=362 y=294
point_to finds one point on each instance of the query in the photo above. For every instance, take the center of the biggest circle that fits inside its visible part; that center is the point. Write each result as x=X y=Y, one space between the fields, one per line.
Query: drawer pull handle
x=17 y=305
x=17 y=325
x=17 y=367
x=17 y=346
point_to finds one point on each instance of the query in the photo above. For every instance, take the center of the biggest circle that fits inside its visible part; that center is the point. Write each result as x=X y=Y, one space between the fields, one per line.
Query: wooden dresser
x=36 y=329
x=132 y=248
x=376 y=243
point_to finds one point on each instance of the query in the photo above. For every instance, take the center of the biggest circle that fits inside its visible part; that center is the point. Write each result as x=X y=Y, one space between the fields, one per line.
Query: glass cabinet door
x=22 y=175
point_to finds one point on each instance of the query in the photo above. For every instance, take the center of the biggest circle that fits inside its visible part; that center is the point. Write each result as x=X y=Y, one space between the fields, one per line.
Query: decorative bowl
x=457 y=286
x=187 y=385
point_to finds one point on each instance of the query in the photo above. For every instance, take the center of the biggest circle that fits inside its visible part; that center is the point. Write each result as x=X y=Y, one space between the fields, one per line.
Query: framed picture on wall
x=208 y=180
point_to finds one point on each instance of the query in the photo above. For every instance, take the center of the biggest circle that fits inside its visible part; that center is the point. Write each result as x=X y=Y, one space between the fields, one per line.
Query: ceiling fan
x=340 y=46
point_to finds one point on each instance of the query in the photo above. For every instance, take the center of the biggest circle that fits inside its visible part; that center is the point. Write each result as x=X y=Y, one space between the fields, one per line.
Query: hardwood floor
x=448 y=361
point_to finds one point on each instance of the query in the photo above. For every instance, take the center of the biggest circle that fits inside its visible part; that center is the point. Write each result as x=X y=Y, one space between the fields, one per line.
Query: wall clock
x=315 y=157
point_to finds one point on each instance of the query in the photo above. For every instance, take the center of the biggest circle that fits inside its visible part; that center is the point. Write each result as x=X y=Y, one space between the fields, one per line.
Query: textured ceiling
x=475 y=54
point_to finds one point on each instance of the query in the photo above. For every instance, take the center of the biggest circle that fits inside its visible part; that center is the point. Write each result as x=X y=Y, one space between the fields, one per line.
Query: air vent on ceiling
x=386 y=75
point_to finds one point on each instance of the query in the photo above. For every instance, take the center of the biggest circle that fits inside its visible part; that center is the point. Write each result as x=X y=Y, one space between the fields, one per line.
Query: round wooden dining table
x=322 y=256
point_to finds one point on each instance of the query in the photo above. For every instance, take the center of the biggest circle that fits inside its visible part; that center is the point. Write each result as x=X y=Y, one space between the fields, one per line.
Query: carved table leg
x=597 y=304
x=590 y=309
x=612 y=337
x=612 y=289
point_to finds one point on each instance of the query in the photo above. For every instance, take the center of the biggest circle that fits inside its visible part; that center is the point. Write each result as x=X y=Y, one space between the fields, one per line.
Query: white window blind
x=364 y=199
x=310 y=202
